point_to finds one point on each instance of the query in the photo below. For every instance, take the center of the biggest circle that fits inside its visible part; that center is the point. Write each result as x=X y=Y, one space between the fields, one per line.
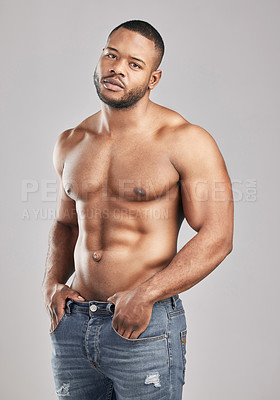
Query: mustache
x=114 y=77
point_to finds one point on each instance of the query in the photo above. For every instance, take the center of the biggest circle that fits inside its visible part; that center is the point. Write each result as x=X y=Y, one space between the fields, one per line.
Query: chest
x=132 y=172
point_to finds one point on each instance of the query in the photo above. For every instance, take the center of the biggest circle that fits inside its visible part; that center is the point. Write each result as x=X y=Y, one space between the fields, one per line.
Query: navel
x=97 y=255
x=139 y=191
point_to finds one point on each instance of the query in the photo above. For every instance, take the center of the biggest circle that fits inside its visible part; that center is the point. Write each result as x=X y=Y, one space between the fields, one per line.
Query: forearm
x=198 y=258
x=60 y=258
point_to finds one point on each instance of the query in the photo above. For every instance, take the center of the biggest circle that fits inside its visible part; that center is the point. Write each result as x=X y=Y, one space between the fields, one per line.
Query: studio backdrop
x=221 y=72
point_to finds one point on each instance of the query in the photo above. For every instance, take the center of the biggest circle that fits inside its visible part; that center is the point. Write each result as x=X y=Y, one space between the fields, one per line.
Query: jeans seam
x=183 y=334
x=109 y=396
x=168 y=338
x=79 y=310
x=169 y=351
x=86 y=343
x=175 y=313
x=97 y=339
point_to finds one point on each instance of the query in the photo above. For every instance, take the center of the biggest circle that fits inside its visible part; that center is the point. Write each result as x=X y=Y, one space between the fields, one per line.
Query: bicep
x=205 y=185
x=208 y=201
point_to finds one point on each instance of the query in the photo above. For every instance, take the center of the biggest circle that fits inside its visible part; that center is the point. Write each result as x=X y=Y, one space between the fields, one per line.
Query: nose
x=118 y=68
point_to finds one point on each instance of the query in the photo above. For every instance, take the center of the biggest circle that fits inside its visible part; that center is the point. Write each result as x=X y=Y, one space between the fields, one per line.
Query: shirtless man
x=129 y=175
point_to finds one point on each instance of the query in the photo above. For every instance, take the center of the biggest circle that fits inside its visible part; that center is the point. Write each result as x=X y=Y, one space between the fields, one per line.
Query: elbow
x=221 y=242
x=227 y=245
x=222 y=245
x=230 y=247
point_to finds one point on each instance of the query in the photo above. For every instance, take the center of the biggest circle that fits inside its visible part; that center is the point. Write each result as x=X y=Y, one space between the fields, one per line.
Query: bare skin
x=128 y=178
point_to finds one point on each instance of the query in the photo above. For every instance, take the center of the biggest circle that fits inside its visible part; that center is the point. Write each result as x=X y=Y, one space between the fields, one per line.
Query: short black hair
x=148 y=31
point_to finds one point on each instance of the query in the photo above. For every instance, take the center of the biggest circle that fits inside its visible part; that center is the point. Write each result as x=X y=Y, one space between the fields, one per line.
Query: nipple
x=97 y=255
x=68 y=189
x=139 y=191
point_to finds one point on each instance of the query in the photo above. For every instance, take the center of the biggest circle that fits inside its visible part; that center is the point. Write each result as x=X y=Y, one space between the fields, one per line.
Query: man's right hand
x=54 y=297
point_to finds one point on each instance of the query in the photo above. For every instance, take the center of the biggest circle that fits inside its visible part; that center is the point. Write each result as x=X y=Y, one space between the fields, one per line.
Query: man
x=129 y=175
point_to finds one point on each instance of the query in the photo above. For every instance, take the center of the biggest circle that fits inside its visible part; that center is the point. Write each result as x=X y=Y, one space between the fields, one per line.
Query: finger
x=127 y=334
x=114 y=324
x=122 y=331
x=72 y=294
x=53 y=322
x=49 y=310
x=134 y=335
x=77 y=296
x=57 y=317
x=51 y=317
x=59 y=307
x=58 y=310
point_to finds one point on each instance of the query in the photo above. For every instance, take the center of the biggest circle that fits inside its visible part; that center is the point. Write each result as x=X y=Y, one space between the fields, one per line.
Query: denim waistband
x=106 y=306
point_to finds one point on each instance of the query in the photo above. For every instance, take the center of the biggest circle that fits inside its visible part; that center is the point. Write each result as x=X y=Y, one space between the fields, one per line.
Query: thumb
x=112 y=299
x=76 y=296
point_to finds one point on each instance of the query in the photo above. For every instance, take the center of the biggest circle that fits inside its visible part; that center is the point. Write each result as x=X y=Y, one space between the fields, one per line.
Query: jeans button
x=93 y=307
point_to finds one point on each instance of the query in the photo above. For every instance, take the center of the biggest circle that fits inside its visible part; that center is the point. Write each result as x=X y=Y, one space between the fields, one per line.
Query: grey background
x=220 y=71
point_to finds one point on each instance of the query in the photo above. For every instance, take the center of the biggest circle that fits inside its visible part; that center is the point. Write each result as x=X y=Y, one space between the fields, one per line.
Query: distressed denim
x=92 y=361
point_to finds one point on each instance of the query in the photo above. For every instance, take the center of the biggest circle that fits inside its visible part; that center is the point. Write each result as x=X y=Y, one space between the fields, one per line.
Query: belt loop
x=67 y=307
x=109 y=308
x=173 y=302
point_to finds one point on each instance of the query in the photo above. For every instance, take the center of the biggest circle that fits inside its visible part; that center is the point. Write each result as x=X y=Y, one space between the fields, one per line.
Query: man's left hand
x=132 y=313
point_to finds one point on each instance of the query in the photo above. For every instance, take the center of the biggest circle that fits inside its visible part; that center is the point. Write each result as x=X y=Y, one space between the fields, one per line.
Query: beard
x=128 y=100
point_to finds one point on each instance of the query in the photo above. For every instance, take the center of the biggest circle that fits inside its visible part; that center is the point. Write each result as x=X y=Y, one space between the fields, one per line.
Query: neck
x=119 y=121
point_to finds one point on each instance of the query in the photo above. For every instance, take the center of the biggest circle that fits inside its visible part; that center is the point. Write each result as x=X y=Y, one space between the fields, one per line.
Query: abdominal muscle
x=115 y=255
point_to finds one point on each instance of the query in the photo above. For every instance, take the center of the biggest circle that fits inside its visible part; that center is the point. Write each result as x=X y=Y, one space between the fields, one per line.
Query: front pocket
x=139 y=339
x=58 y=324
x=156 y=330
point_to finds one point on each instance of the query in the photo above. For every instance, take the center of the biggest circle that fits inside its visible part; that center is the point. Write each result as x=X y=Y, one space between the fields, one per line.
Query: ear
x=155 y=78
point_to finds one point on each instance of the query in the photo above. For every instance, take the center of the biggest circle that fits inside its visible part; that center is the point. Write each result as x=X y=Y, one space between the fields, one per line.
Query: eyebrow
x=134 y=58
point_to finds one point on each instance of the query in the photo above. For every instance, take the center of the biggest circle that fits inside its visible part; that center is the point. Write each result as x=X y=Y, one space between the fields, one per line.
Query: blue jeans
x=92 y=361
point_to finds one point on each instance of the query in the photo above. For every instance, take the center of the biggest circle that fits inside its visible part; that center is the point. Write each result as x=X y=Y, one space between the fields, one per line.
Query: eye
x=110 y=55
x=134 y=65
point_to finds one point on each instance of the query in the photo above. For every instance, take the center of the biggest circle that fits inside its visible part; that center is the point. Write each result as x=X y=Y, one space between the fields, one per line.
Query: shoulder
x=69 y=139
x=63 y=139
x=60 y=150
x=193 y=138
x=194 y=150
x=65 y=142
x=182 y=136
x=169 y=120
x=180 y=131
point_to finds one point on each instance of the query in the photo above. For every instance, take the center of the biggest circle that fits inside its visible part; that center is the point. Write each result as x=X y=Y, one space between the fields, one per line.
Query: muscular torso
x=128 y=205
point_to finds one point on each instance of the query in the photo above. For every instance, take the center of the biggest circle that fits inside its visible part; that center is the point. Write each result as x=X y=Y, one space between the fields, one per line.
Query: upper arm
x=205 y=185
x=66 y=207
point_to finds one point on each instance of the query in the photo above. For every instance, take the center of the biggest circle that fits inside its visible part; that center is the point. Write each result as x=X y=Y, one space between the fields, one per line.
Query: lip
x=112 y=84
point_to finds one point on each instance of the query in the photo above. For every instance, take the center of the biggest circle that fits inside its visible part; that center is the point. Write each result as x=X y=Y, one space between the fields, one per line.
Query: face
x=124 y=73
